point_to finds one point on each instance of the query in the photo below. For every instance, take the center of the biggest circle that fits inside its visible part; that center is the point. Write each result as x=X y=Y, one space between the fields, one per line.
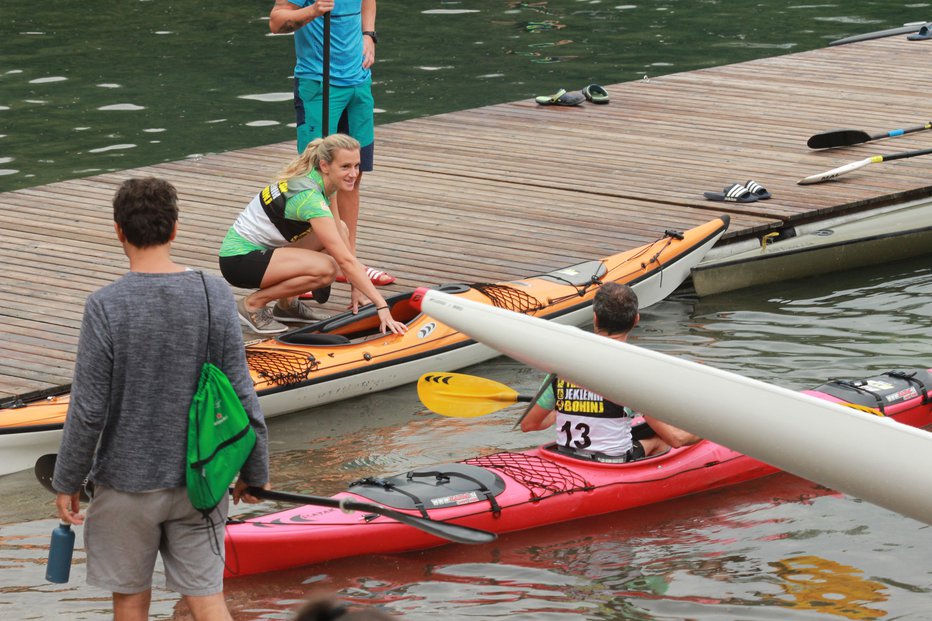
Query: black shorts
x=246 y=271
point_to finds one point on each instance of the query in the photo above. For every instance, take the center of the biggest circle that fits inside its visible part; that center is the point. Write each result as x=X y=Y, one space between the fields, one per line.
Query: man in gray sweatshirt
x=143 y=341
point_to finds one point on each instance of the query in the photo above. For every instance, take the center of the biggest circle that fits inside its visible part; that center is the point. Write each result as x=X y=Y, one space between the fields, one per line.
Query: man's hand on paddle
x=239 y=492
x=323 y=7
x=286 y=17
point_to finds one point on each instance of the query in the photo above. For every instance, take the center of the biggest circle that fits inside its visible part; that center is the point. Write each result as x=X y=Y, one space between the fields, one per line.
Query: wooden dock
x=508 y=190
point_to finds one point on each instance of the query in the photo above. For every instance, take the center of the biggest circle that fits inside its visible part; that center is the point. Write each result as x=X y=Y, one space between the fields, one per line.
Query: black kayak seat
x=310 y=338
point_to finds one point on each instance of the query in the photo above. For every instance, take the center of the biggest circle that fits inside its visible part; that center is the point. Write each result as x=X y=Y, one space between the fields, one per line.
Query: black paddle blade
x=451 y=532
x=838 y=138
x=444 y=530
x=45 y=470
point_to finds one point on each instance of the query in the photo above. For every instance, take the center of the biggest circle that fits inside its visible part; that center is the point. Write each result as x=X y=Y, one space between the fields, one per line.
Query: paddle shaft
x=904 y=154
x=893 y=133
x=452 y=532
x=813 y=438
x=45 y=468
x=325 y=81
x=876 y=159
x=533 y=400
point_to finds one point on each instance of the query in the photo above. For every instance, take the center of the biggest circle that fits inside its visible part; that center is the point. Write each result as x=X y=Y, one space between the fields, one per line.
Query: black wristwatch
x=372 y=33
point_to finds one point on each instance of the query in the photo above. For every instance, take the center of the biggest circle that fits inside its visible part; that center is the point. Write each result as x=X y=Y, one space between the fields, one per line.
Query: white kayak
x=861 y=454
x=890 y=235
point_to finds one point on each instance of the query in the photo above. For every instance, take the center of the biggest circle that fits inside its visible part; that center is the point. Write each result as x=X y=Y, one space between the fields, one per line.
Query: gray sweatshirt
x=142 y=344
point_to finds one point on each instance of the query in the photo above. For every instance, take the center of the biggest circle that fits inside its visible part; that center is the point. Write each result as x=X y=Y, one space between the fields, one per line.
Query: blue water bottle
x=60 y=550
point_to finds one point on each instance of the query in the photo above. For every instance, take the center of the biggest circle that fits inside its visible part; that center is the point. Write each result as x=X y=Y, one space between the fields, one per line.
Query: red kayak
x=506 y=492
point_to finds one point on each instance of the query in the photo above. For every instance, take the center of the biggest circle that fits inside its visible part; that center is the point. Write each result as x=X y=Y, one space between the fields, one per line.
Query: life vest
x=272 y=199
x=263 y=221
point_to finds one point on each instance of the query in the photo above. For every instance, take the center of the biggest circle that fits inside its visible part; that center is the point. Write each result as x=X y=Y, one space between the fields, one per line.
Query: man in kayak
x=589 y=425
x=126 y=431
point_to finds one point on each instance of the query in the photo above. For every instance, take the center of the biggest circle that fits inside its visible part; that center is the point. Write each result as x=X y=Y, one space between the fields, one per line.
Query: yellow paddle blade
x=463 y=396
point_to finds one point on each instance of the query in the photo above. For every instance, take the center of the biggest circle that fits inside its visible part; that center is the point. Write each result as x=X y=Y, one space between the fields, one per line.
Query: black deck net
x=540 y=476
x=509 y=298
x=281 y=368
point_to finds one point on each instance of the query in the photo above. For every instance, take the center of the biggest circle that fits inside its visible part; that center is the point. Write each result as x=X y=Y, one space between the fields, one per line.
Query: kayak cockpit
x=348 y=327
x=344 y=328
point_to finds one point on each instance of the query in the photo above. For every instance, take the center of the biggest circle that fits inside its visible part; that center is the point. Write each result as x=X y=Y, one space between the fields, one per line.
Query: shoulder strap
x=206 y=297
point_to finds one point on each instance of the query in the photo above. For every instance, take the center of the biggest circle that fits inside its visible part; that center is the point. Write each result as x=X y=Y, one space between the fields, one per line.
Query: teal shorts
x=351 y=112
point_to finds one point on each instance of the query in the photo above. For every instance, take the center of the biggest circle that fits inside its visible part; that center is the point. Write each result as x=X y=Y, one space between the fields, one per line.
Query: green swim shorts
x=351 y=112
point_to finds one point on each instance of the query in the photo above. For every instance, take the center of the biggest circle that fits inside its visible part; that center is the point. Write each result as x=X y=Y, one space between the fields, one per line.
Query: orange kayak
x=346 y=355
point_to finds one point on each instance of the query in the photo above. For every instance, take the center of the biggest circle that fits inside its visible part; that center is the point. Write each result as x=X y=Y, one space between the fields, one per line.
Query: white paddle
x=844 y=170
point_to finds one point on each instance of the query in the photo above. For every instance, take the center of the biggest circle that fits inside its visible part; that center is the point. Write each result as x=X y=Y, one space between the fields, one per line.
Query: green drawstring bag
x=220 y=437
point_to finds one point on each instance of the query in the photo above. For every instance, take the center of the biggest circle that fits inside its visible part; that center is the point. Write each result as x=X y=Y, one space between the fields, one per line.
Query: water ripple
x=848 y=20
x=809 y=330
x=270 y=97
x=122 y=107
x=448 y=11
x=113 y=147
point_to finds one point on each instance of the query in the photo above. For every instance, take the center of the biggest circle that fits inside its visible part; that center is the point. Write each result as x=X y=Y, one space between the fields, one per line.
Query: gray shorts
x=124 y=532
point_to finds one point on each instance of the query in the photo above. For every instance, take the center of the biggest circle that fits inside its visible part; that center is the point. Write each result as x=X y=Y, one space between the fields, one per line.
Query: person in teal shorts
x=352 y=52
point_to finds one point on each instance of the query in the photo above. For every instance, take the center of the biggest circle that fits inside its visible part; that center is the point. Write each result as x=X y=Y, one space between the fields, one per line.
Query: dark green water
x=88 y=87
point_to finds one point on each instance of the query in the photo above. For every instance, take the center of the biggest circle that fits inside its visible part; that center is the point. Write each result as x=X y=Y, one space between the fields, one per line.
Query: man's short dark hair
x=146 y=210
x=615 y=307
